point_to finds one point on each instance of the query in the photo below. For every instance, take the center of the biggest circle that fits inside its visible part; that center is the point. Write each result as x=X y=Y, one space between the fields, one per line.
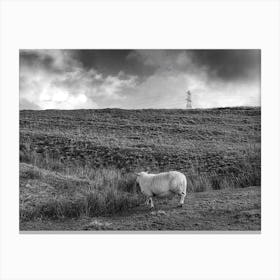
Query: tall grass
x=102 y=191
x=92 y=204
x=73 y=191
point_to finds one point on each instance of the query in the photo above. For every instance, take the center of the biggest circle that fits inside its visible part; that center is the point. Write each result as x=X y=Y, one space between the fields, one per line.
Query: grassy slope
x=96 y=149
x=219 y=141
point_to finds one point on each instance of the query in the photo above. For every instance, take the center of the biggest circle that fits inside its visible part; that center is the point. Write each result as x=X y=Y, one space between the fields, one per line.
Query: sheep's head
x=139 y=175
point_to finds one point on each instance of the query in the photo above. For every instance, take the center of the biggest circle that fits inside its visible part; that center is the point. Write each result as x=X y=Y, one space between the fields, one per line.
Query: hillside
x=81 y=158
x=222 y=141
x=52 y=201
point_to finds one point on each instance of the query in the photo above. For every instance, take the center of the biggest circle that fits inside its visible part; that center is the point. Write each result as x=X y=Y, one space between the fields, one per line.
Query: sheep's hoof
x=180 y=206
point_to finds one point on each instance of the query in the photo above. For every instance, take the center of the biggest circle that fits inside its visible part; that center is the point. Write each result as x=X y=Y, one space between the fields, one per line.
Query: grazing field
x=79 y=166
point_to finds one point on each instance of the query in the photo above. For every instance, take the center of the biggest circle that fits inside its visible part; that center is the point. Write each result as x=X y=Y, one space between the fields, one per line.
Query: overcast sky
x=77 y=79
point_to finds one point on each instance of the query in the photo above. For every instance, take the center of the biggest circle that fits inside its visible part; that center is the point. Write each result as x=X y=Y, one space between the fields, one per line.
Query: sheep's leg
x=151 y=203
x=147 y=202
x=183 y=195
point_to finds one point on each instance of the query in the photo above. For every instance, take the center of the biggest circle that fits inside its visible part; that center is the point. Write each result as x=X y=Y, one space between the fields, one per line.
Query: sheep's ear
x=137 y=174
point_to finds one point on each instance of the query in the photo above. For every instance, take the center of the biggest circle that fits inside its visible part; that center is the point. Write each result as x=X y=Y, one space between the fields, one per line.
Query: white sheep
x=162 y=185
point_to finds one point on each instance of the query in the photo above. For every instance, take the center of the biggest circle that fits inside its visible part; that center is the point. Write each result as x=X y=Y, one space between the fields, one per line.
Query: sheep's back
x=167 y=182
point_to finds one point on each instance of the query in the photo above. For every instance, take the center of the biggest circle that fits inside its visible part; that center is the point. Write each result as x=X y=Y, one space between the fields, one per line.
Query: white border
x=155 y=24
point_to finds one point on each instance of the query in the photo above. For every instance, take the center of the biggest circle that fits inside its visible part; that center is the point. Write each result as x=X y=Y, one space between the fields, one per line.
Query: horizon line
x=134 y=109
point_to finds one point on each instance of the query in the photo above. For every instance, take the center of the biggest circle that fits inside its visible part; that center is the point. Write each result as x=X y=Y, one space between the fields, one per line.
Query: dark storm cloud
x=73 y=79
x=216 y=78
x=111 y=62
x=220 y=64
x=59 y=79
x=229 y=65
x=52 y=61
x=102 y=59
x=33 y=59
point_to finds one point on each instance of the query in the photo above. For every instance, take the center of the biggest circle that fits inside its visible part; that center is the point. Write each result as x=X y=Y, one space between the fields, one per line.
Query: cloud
x=55 y=79
x=216 y=78
x=24 y=104
x=228 y=65
x=73 y=79
x=163 y=60
x=223 y=65
x=56 y=61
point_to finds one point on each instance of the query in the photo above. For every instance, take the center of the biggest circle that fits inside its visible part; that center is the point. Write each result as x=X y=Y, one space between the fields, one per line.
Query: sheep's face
x=139 y=175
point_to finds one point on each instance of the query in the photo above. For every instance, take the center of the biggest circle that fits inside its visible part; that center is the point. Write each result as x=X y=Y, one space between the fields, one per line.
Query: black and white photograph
x=140 y=140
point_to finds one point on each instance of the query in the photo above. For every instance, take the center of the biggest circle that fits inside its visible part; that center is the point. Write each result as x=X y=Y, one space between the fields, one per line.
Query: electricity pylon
x=189 y=100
